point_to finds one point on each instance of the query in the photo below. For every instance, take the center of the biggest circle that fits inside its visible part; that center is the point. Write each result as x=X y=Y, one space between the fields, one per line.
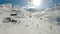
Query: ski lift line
x=45 y=10
x=45 y=15
x=12 y=8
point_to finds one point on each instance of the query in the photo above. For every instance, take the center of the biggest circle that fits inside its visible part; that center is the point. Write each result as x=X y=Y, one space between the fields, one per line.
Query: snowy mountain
x=50 y=14
x=16 y=9
x=16 y=20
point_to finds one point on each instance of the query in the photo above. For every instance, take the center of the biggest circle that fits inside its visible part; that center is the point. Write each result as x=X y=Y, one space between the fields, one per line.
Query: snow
x=43 y=22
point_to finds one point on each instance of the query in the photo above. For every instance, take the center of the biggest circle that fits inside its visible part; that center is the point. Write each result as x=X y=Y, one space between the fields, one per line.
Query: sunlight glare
x=36 y=2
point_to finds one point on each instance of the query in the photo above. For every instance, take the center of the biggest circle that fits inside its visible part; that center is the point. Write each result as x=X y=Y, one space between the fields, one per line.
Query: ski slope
x=44 y=22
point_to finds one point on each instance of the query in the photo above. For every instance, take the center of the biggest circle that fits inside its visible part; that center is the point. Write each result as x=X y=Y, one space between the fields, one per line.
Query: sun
x=36 y=2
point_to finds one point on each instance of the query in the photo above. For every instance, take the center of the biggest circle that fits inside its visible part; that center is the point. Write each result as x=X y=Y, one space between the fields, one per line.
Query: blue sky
x=24 y=3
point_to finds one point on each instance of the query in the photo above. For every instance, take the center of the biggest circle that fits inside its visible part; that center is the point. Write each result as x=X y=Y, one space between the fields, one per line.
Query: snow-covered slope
x=7 y=9
x=25 y=22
